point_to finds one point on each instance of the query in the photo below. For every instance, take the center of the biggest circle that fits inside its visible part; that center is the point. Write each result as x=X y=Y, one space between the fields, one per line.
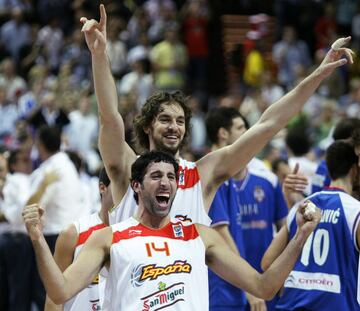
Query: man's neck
x=151 y=221
x=104 y=215
x=342 y=183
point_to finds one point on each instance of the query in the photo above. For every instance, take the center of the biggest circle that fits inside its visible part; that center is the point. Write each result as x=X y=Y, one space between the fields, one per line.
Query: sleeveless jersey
x=156 y=269
x=325 y=275
x=188 y=205
x=91 y=297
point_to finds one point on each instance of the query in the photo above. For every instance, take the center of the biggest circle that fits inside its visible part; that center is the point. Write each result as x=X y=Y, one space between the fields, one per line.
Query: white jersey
x=92 y=297
x=156 y=269
x=188 y=204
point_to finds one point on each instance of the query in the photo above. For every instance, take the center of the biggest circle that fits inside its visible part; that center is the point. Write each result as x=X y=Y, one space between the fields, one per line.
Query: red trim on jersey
x=186 y=232
x=83 y=236
x=190 y=177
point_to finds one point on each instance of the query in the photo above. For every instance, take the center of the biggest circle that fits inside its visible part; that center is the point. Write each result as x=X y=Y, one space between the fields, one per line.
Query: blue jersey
x=321 y=179
x=325 y=275
x=224 y=210
x=261 y=204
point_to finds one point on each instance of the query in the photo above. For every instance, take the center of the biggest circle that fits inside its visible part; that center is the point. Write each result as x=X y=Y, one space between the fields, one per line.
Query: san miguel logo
x=151 y=272
x=164 y=297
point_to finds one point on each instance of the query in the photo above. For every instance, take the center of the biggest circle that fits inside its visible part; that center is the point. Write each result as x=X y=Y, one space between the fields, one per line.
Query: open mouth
x=163 y=200
x=171 y=137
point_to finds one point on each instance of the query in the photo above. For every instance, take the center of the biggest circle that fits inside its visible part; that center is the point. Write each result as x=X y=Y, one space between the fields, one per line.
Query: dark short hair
x=276 y=163
x=103 y=177
x=340 y=157
x=355 y=136
x=50 y=137
x=298 y=141
x=221 y=117
x=76 y=159
x=151 y=109
x=345 y=127
x=12 y=159
x=139 y=167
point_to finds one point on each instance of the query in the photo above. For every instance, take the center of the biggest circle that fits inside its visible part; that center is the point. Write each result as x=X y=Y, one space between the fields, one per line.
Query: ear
x=147 y=129
x=223 y=134
x=135 y=185
x=102 y=188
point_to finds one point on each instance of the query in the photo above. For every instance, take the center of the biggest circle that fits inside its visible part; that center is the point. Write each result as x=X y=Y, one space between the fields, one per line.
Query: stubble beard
x=159 y=146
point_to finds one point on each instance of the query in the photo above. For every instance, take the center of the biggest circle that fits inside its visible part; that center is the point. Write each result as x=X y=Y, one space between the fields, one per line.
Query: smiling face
x=157 y=190
x=168 y=129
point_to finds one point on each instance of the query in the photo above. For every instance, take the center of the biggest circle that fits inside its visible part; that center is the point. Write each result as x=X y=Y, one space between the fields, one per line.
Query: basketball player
x=69 y=244
x=164 y=124
x=325 y=276
x=155 y=261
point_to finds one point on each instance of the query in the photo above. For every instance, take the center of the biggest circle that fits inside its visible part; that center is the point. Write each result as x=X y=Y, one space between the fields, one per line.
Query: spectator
x=169 y=60
x=48 y=113
x=15 y=33
x=290 y=54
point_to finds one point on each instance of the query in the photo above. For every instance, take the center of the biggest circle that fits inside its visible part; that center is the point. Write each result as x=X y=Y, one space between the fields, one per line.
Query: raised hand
x=307 y=222
x=334 y=57
x=95 y=32
x=32 y=218
x=293 y=186
x=295 y=182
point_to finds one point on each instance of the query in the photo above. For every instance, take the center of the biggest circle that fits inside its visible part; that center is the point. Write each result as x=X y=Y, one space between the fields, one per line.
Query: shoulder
x=265 y=176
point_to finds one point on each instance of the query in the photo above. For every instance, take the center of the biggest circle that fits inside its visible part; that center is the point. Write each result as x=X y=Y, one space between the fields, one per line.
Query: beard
x=168 y=149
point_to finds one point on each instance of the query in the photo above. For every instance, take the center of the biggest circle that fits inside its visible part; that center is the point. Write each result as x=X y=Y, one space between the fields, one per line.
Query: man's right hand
x=32 y=218
x=95 y=32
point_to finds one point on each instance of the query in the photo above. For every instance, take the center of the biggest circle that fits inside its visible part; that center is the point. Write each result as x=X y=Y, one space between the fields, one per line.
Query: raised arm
x=59 y=286
x=276 y=247
x=116 y=153
x=232 y=268
x=221 y=164
x=64 y=256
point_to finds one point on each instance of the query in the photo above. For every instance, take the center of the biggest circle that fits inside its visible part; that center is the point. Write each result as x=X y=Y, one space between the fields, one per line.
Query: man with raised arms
x=156 y=261
x=164 y=124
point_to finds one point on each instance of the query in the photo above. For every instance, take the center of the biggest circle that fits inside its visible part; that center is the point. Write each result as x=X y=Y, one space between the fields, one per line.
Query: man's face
x=168 y=129
x=158 y=189
x=23 y=163
x=106 y=196
x=236 y=130
x=282 y=172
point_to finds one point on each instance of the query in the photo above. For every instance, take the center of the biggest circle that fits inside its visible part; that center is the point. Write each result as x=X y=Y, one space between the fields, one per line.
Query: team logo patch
x=151 y=272
x=164 y=297
x=178 y=231
x=259 y=194
x=181 y=181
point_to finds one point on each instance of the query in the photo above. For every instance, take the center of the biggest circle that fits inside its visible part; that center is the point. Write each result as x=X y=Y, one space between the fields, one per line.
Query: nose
x=172 y=124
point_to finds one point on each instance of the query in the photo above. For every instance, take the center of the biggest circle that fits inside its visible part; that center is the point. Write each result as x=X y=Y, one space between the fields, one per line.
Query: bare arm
x=64 y=256
x=238 y=272
x=230 y=160
x=223 y=230
x=116 y=153
x=276 y=247
x=59 y=286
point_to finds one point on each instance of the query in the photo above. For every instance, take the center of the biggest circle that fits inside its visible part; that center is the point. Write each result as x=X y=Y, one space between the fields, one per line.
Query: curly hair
x=151 y=109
